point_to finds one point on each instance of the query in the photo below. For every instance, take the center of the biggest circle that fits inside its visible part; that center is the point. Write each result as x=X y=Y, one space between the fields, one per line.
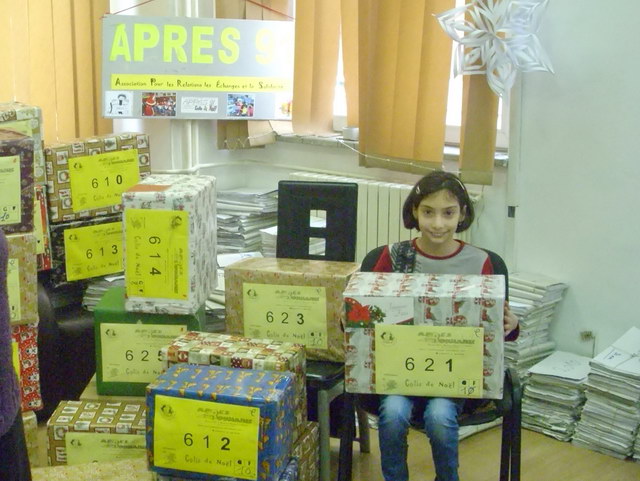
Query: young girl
x=438 y=206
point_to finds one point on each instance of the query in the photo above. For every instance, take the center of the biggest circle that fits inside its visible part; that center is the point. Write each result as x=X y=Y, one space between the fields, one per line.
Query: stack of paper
x=241 y=213
x=554 y=394
x=636 y=448
x=534 y=299
x=96 y=289
x=269 y=238
x=611 y=415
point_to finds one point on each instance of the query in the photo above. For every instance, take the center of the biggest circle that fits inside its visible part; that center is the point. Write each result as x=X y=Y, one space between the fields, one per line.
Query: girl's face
x=438 y=215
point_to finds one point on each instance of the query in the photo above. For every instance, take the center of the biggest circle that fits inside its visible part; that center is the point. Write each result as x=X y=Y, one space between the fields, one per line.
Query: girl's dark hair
x=433 y=182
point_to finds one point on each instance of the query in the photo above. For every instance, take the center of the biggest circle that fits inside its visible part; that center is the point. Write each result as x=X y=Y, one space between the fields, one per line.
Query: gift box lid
x=305 y=267
x=222 y=384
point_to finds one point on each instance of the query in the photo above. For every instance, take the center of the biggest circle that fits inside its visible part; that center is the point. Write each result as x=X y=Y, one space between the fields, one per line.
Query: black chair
x=325 y=380
x=477 y=411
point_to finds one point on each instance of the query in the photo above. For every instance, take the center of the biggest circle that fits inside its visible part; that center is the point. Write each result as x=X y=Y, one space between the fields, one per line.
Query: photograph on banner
x=195 y=68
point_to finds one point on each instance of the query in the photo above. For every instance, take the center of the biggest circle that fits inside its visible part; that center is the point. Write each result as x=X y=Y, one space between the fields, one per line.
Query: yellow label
x=208 y=83
x=15 y=357
x=85 y=448
x=38 y=227
x=206 y=437
x=94 y=250
x=157 y=253
x=10 y=201
x=131 y=352
x=13 y=288
x=443 y=361
x=286 y=313
x=99 y=180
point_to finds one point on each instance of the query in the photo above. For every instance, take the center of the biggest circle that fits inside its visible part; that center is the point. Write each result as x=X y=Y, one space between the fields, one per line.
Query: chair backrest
x=297 y=200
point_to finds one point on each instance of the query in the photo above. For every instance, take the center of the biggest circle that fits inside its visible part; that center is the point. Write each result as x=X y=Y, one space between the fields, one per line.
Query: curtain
x=403 y=78
x=51 y=57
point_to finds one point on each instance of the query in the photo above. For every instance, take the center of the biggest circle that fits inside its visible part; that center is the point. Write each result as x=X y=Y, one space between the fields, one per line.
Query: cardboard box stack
x=17 y=146
x=375 y=302
x=534 y=298
x=291 y=300
x=128 y=344
x=226 y=350
x=170 y=237
x=87 y=431
x=214 y=423
x=86 y=179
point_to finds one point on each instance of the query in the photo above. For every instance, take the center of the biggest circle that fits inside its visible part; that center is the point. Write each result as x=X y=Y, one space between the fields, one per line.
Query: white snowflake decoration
x=497 y=39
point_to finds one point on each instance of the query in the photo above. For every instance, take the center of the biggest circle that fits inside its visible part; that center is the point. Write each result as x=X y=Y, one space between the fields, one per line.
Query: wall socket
x=587 y=335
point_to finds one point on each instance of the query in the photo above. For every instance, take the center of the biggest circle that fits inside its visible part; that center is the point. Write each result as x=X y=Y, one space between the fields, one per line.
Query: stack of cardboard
x=554 y=394
x=611 y=415
x=242 y=212
x=534 y=298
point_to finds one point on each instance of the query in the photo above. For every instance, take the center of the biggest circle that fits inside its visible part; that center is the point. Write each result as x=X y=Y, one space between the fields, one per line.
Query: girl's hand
x=510 y=320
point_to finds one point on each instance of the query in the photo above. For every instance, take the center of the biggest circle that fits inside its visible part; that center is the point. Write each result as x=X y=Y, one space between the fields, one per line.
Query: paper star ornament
x=497 y=38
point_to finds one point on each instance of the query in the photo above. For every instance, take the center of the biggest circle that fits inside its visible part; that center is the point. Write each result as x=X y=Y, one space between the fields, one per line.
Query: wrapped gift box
x=291 y=300
x=58 y=252
x=226 y=350
x=16 y=182
x=128 y=343
x=25 y=337
x=117 y=417
x=379 y=299
x=41 y=228
x=170 y=234
x=30 y=423
x=188 y=401
x=113 y=151
x=307 y=452
x=22 y=279
x=26 y=119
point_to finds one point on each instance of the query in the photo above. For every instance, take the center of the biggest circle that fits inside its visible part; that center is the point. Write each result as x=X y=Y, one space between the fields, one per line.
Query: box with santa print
x=425 y=334
x=227 y=350
x=109 y=426
x=41 y=228
x=170 y=238
x=86 y=177
x=27 y=120
x=293 y=300
x=128 y=344
x=215 y=423
x=24 y=342
x=22 y=279
x=16 y=182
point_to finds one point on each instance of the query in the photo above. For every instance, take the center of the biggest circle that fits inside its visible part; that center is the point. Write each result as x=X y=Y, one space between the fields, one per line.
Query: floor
x=543 y=458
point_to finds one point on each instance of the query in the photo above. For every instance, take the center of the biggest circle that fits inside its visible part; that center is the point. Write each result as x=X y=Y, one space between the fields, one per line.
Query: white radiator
x=379 y=211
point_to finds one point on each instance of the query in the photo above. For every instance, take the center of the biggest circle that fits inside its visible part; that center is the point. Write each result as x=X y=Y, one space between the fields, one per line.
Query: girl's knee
x=396 y=409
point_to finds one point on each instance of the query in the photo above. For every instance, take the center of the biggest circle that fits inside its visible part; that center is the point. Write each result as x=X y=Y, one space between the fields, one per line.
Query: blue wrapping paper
x=272 y=392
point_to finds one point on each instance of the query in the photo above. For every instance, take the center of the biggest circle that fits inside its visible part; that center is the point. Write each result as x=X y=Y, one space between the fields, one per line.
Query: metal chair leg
x=363 y=430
